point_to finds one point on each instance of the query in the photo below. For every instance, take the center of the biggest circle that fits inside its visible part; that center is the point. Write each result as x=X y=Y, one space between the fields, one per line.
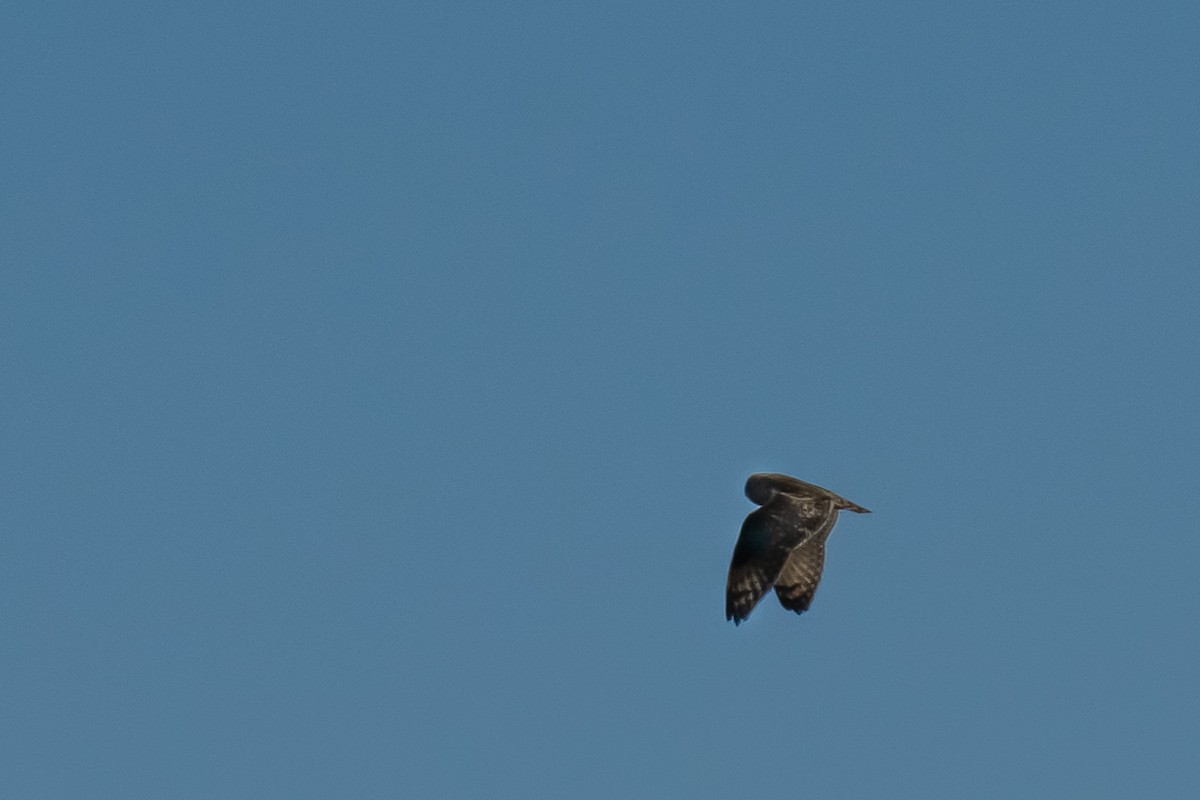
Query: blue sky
x=381 y=380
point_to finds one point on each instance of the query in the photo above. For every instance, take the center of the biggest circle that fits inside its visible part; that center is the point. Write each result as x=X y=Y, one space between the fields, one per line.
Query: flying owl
x=782 y=544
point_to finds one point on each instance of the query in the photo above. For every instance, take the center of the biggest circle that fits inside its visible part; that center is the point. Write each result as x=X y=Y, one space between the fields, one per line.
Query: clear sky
x=380 y=381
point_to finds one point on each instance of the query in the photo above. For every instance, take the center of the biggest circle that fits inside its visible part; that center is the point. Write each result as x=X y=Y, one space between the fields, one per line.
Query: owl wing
x=769 y=536
x=797 y=581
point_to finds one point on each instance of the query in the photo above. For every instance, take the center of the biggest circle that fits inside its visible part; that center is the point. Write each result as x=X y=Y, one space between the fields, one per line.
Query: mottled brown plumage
x=782 y=544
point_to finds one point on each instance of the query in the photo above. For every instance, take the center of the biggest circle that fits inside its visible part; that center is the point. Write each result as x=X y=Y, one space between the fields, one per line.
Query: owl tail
x=844 y=504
